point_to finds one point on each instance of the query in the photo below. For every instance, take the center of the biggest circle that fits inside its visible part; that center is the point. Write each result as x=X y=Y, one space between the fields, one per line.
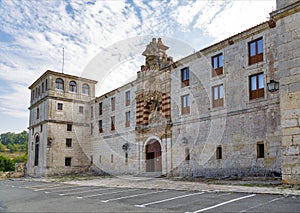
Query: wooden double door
x=153 y=157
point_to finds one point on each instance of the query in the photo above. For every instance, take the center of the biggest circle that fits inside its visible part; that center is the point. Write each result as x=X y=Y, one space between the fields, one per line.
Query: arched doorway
x=153 y=156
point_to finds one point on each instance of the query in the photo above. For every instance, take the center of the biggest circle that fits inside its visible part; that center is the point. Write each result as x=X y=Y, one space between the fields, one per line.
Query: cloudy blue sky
x=33 y=33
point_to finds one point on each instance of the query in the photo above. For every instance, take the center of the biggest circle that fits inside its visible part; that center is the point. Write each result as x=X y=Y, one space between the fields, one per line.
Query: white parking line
x=67 y=189
x=173 y=198
x=49 y=187
x=224 y=203
x=136 y=195
x=92 y=190
x=109 y=193
x=263 y=204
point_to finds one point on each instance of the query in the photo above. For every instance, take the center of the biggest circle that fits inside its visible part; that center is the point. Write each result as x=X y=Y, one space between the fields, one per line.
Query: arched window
x=85 y=89
x=59 y=84
x=36 y=154
x=73 y=87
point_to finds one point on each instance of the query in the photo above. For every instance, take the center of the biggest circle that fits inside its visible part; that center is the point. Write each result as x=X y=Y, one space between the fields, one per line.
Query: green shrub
x=6 y=164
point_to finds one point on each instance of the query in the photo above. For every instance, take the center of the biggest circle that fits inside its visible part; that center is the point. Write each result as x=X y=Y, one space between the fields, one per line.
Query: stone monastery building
x=231 y=109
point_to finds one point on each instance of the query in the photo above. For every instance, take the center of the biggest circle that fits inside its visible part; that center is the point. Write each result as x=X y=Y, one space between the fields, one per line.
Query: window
x=126 y=158
x=100 y=108
x=218 y=95
x=127 y=122
x=59 y=84
x=69 y=142
x=113 y=103
x=39 y=91
x=256 y=86
x=92 y=128
x=187 y=154
x=37 y=113
x=185 y=77
x=185 y=104
x=217 y=64
x=41 y=127
x=85 y=89
x=72 y=86
x=69 y=127
x=81 y=109
x=43 y=87
x=37 y=148
x=99 y=158
x=36 y=93
x=112 y=123
x=68 y=161
x=32 y=96
x=59 y=106
x=46 y=85
x=100 y=126
x=255 y=51
x=127 y=98
x=111 y=158
x=260 y=150
x=219 y=152
x=92 y=112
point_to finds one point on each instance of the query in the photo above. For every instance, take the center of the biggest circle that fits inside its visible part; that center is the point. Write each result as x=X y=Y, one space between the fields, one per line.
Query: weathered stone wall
x=288 y=40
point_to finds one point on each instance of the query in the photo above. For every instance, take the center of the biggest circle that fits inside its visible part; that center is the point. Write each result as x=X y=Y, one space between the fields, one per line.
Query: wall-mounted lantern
x=125 y=146
x=273 y=86
x=184 y=140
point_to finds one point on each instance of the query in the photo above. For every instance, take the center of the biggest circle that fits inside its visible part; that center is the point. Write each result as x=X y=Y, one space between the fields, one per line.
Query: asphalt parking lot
x=35 y=196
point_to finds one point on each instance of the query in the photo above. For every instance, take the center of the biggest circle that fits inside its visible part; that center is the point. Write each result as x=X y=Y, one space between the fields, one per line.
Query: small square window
x=59 y=106
x=69 y=127
x=68 y=161
x=260 y=150
x=219 y=152
x=80 y=109
x=69 y=142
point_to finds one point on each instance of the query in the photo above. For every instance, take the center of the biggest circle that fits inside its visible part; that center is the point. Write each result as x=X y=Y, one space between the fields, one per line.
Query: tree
x=2 y=147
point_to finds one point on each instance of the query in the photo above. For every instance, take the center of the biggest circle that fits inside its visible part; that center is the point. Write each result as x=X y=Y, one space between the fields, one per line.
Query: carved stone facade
x=215 y=113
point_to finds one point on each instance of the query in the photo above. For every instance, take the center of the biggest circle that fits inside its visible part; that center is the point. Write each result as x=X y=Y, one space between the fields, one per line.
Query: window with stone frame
x=256 y=86
x=185 y=77
x=68 y=161
x=100 y=108
x=255 y=49
x=127 y=119
x=100 y=124
x=68 y=142
x=185 y=104
x=187 y=154
x=73 y=86
x=127 y=98
x=59 y=106
x=219 y=152
x=217 y=64
x=85 y=89
x=113 y=103
x=112 y=124
x=218 y=96
x=69 y=127
x=37 y=113
x=59 y=84
x=260 y=148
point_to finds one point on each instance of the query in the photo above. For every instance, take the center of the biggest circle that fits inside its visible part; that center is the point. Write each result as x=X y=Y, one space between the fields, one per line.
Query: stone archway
x=153 y=156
